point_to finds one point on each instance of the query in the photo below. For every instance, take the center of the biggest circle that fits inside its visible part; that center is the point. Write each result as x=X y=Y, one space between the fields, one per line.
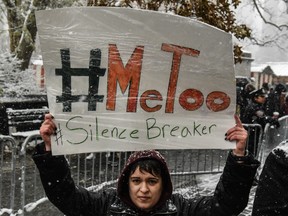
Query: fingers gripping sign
x=238 y=134
x=47 y=129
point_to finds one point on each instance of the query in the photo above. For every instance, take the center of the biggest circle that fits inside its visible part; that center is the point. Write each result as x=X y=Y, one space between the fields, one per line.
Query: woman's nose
x=144 y=188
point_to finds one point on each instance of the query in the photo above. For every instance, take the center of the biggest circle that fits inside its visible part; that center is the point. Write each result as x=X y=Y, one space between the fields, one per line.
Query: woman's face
x=145 y=189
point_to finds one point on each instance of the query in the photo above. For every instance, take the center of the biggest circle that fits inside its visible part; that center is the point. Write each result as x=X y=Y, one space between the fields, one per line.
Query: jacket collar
x=120 y=207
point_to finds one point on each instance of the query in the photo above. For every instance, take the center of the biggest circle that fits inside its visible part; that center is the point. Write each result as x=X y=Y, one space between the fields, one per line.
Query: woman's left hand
x=240 y=135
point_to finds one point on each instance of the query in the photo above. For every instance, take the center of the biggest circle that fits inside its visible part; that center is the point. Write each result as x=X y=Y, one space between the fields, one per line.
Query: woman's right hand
x=47 y=129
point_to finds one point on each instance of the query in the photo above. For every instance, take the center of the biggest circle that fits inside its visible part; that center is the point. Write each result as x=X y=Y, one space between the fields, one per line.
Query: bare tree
x=22 y=31
x=274 y=15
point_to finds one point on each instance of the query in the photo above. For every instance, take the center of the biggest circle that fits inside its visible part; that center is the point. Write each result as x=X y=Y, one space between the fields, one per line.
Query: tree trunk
x=22 y=33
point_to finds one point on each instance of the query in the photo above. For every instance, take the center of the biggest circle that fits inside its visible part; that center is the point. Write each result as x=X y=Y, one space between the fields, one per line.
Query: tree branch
x=279 y=27
x=24 y=27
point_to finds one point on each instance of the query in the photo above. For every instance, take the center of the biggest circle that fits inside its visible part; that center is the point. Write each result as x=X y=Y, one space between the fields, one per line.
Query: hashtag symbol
x=93 y=72
x=59 y=135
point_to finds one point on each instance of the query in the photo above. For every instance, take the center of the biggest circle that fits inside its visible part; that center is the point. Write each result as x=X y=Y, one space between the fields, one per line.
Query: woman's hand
x=239 y=134
x=47 y=129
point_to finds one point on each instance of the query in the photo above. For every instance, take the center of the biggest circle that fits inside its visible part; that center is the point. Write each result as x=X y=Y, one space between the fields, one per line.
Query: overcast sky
x=267 y=54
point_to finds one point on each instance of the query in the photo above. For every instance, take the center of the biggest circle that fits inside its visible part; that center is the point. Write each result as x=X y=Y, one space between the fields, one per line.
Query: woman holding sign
x=144 y=186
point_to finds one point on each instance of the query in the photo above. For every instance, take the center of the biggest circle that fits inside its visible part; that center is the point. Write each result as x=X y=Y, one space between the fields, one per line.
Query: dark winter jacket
x=255 y=113
x=271 y=198
x=230 y=197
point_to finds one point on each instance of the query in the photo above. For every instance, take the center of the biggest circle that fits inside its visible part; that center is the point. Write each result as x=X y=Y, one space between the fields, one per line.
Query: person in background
x=266 y=87
x=271 y=197
x=255 y=113
x=243 y=98
x=275 y=100
x=284 y=110
x=144 y=185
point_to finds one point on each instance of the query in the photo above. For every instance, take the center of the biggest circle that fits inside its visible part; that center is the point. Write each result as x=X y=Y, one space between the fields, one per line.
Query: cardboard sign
x=122 y=79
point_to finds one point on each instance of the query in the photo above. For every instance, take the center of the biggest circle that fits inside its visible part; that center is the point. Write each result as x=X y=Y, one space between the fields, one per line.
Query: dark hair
x=151 y=166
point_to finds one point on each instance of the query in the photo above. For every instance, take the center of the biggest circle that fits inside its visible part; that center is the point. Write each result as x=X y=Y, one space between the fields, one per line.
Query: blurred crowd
x=260 y=106
x=263 y=105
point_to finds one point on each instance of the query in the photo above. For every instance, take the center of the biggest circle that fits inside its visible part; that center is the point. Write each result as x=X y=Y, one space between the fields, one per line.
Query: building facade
x=272 y=73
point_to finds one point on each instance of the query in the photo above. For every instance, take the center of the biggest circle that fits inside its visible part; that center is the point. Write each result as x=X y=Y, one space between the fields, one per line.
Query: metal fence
x=21 y=192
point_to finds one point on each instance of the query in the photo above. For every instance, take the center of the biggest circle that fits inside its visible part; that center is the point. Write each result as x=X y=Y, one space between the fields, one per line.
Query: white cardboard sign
x=122 y=79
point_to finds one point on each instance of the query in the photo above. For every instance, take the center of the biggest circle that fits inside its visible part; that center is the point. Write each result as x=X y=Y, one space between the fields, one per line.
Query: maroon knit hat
x=123 y=181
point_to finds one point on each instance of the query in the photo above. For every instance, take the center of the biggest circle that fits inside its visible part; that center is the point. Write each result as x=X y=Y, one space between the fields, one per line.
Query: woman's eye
x=136 y=181
x=152 y=182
